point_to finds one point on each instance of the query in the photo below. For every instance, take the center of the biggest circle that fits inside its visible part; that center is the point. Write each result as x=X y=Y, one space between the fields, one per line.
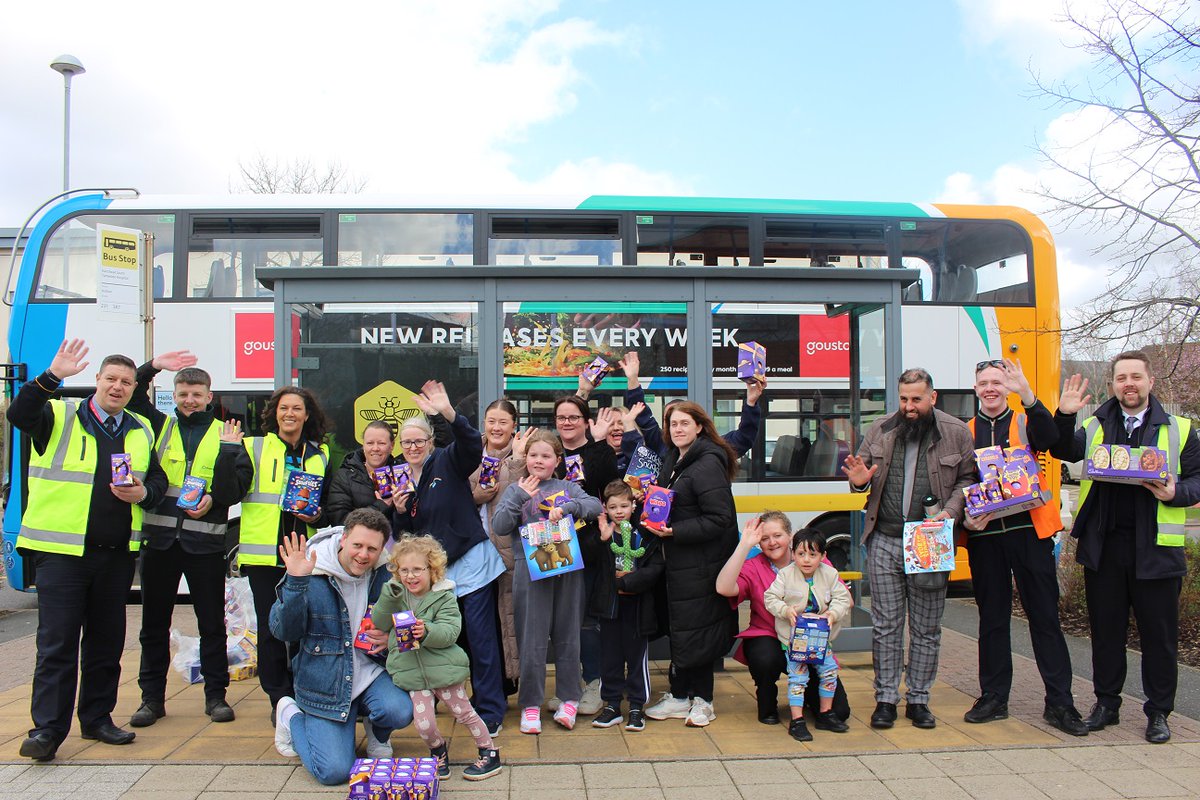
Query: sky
x=923 y=101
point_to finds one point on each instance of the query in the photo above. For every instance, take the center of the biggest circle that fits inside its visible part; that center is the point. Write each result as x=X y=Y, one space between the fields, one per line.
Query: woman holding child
x=702 y=532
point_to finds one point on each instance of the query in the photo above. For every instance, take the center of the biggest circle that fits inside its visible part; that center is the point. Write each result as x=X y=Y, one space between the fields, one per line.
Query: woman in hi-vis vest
x=296 y=428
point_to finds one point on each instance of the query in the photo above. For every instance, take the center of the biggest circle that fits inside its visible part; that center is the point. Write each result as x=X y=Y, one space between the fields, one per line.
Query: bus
x=363 y=299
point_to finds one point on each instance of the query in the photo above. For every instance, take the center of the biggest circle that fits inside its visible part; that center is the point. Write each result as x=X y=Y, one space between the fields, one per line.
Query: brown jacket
x=950 y=459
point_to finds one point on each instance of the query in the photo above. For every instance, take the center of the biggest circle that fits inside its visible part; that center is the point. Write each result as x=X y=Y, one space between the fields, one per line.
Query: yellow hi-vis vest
x=61 y=478
x=1046 y=518
x=173 y=459
x=259 y=540
x=1169 y=518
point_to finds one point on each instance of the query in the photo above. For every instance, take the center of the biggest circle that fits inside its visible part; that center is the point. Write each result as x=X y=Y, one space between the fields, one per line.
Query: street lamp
x=68 y=66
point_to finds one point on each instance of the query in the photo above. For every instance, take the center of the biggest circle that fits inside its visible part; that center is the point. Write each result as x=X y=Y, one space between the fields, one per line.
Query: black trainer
x=884 y=716
x=988 y=708
x=442 y=755
x=1101 y=716
x=799 y=731
x=609 y=715
x=637 y=719
x=1066 y=719
x=148 y=713
x=487 y=765
x=830 y=721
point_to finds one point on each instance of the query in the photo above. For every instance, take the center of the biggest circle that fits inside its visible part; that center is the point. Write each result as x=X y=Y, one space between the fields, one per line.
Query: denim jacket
x=309 y=610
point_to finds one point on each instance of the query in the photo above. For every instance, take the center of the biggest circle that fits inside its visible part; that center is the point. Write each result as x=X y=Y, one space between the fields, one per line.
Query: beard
x=916 y=428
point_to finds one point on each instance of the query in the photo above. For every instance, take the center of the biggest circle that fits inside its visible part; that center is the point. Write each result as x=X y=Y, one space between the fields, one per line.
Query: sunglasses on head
x=995 y=362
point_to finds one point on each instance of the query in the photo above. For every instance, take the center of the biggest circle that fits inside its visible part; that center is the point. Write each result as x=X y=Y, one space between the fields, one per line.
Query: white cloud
x=1031 y=33
x=413 y=97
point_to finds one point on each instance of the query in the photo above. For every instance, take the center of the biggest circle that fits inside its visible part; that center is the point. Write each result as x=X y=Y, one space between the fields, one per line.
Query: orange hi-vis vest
x=1047 y=519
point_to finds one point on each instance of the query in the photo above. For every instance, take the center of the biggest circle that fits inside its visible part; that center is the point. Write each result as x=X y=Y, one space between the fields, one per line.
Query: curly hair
x=315 y=427
x=424 y=545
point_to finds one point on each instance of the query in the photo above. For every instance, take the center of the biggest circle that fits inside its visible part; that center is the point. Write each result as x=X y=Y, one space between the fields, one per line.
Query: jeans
x=326 y=746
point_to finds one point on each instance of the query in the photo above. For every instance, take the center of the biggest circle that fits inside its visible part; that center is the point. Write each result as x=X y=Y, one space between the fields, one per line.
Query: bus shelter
x=364 y=339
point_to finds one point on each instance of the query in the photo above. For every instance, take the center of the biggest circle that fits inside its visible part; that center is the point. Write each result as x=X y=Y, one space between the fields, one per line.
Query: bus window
x=555 y=241
x=802 y=243
x=691 y=240
x=223 y=251
x=967 y=262
x=68 y=269
x=385 y=240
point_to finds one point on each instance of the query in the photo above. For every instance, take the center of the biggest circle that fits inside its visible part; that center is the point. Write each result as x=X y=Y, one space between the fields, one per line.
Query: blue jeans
x=326 y=747
x=487 y=662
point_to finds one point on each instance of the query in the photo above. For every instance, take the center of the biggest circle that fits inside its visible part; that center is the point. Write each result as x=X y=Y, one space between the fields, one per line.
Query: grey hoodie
x=325 y=543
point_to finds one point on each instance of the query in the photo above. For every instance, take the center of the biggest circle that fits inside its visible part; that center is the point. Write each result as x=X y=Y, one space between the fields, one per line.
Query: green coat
x=438 y=662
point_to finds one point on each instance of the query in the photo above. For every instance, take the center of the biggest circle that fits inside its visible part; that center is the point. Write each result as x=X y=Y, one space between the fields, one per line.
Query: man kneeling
x=330 y=584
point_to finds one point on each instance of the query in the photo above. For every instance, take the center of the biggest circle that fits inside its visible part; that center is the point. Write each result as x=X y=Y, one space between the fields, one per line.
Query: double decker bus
x=363 y=299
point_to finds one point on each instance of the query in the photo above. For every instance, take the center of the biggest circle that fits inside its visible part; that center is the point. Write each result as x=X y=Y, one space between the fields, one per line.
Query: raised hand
x=630 y=416
x=1016 y=382
x=585 y=387
x=231 y=431
x=857 y=471
x=520 y=440
x=529 y=485
x=606 y=527
x=295 y=560
x=434 y=400
x=1074 y=395
x=754 y=390
x=68 y=361
x=752 y=532
x=604 y=420
x=631 y=364
x=174 y=360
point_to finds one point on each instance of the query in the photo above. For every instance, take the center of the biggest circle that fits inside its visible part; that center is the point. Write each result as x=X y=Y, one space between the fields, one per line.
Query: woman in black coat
x=353 y=485
x=701 y=534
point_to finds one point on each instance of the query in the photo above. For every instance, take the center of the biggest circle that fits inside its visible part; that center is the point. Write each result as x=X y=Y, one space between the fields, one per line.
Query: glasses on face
x=573 y=418
x=982 y=365
x=415 y=572
x=411 y=443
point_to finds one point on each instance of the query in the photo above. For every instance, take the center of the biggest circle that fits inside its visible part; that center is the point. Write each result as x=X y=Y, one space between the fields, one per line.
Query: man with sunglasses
x=1021 y=547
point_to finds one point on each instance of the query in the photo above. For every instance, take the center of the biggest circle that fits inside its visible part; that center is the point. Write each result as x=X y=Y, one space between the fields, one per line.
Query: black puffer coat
x=704 y=525
x=353 y=488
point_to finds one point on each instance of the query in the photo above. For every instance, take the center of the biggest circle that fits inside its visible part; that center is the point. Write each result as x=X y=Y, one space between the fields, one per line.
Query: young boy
x=627 y=618
x=809 y=588
x=188 y=542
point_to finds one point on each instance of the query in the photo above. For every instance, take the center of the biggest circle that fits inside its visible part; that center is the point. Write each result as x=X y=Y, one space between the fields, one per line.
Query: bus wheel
x=837 y=550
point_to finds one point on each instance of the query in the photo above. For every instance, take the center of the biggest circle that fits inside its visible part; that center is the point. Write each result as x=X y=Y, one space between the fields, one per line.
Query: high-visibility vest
x=1047 y=520
x=173 y=458
x=1169 y=518
x=259 y=540
x=61 y=478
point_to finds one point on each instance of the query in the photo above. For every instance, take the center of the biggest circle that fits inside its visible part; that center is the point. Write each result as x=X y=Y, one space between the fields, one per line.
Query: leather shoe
x=884 y=716
x=219 y=710
x=39 y=747
x=920 y=715
x=1101 y=716
x=1157 y=731
x=108 y=733
x=148 y=713
x=1066 y=719
x=830 y=721
x=769 y=718
x=988 y=708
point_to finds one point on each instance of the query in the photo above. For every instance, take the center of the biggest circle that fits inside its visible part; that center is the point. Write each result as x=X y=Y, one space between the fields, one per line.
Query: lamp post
x=68 y=66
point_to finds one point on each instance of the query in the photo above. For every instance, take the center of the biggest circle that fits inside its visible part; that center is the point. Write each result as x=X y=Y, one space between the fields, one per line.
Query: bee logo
x=390 y=412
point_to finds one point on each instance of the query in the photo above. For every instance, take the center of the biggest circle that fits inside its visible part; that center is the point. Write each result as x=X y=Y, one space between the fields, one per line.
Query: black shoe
x=609 y=715
x=799 y=731
x=1066 y=719
x=218 y=710
x=1101 y=716
x=148 y=713
x=494 y=728
x=987 y=709
x=39 y=747
x=884 y=716
x=1157 y=731
x=830 y=721
x=920 y=715
x=108 y=733
x=487 y=765
x=637 y=719
x=441 y=754
x=769 y=718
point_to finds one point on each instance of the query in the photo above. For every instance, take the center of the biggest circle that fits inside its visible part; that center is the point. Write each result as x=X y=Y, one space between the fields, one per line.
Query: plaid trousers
x=894 y=599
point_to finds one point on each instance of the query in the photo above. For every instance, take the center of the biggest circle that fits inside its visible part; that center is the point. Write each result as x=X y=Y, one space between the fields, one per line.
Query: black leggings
x=766 y=660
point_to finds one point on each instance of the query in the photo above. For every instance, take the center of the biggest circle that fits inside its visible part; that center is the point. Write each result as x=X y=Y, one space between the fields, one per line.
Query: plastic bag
x=241 y=638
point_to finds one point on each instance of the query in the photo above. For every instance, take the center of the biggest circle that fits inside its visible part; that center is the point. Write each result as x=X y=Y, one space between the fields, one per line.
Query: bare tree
x=263 y=175
x=1133 y=179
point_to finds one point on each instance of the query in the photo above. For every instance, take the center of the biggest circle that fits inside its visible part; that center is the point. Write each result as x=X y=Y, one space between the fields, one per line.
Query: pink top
x=755 y=578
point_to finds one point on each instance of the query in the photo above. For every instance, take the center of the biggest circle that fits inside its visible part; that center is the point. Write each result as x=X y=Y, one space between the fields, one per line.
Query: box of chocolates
x=394 y=779
x=1010 y=483
x=361 y=640
x=1118 y=463
x=302 y=494
x=656 y=507
x=597 y=370
x=928 y=546
x=402 y=479
x=810 y=640
x=752 y=361
x=643 y=469
x=489 y=472
x=574 y=465
x=551 y=548
x=122 y=469
x=191 y=493
x=404 y=621
x=385 y=481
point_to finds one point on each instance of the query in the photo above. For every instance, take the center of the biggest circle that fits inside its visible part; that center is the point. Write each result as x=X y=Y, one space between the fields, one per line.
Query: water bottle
x=931 y=505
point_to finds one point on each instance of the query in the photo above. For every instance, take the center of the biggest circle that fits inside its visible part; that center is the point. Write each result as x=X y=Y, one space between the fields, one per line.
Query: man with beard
x=1131 y=538
x=917 y=451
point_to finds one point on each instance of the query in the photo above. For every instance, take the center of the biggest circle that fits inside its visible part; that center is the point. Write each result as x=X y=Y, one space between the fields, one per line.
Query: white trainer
x=701 y=713
x=531 y=720
x=376 y=748
x=283 y=732
x=670 y=707
x=590 y=703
